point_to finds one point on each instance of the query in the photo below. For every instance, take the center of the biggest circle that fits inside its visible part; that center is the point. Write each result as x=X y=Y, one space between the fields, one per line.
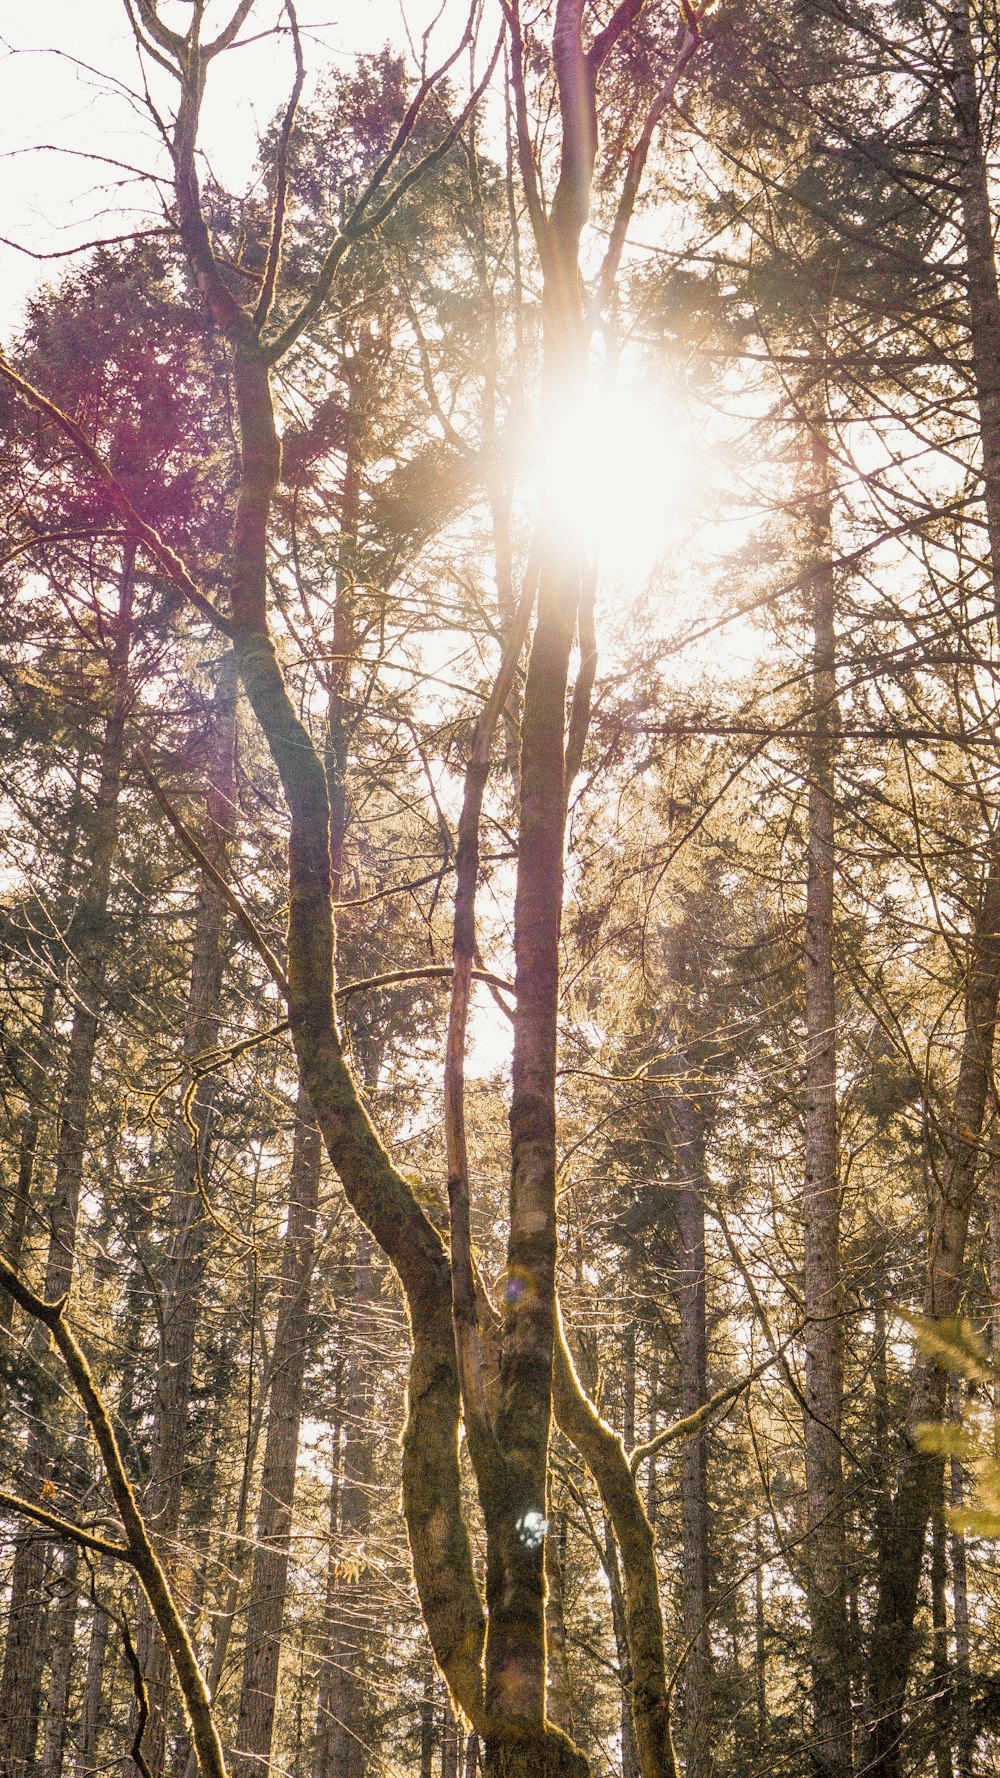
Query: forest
x=500 y=897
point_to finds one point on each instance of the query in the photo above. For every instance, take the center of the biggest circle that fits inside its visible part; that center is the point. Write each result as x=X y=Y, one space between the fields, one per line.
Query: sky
x=68 y=78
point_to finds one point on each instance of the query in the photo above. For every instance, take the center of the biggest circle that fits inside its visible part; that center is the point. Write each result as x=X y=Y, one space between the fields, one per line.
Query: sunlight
x=619 y=469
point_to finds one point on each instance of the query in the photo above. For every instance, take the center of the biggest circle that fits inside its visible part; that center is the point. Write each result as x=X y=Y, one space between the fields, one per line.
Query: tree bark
x=964 y=1736
x=342 y=1736
x=61 y=1654
x=689 y=1214
x=269 y=1575
x=186 y=1251
x=90 y=1704
x=825 y=1549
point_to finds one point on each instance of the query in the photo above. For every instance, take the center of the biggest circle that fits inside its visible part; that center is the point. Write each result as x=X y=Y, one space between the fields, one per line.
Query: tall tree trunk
x=940 y=1665
x=962 y=1691
x=63 y=1630
x=340 y=1726
x=427 y=1724
x=825 y=1550
x=269 y=1576
x=90 y=942
x=186 y=1250
x=626 y=1677
x=760 y=1639
x=689 y=1213
x=901 y=1551
x=36 y=1062
x=558 y=1701
x=93 y=1683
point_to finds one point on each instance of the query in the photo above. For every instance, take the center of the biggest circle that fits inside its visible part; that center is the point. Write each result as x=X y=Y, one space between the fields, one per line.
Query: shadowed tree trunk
x=940 y=1665
x=90 y=1703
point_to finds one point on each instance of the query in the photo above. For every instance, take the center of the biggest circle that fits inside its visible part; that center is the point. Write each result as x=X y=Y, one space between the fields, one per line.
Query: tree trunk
x=427 y=1725
x=90 y=1706
x=825 y=1550
x=940 y=1665
x=64 y=1628
x=689 y=1213
x=558 y=1698
x=266 y=1600
x=340 y=1725
x=186 y=1216
x=760 y=1640
x=962 y=1688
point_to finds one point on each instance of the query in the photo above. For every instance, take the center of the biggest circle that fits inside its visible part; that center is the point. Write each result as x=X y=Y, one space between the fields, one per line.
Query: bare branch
x=87 y=1540
x=204 y=863
x=143 y=1556
x=363 y=221
x=691 y=1424
x=229 y=33
x=266 y=297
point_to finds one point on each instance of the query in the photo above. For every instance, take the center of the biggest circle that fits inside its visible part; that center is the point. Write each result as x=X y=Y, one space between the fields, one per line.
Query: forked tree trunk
x=505 y=1694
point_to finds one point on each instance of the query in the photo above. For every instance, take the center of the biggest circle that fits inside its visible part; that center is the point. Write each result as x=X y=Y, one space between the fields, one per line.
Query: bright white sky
x=68 y=70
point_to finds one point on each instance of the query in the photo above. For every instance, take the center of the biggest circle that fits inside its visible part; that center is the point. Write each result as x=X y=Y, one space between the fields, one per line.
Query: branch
x=266 y=297
x=212 y=872
x=525 y=154
x=169 y=40
x=229 y=32
x=604 y=1455
x=688 y=44
x=158 y=548
x=143 y=1556
x=691 y=1424
x=359 y=224
x=482 y=1443
x=621 y=20
x=88 y=1540
x=141 y=1697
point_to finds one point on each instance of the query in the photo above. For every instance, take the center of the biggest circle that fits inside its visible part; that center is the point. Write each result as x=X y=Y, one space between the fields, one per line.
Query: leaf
x=946 y=1441
x=954 y=1344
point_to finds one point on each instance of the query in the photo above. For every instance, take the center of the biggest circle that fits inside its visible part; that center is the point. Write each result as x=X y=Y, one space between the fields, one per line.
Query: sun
x=620 y=471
